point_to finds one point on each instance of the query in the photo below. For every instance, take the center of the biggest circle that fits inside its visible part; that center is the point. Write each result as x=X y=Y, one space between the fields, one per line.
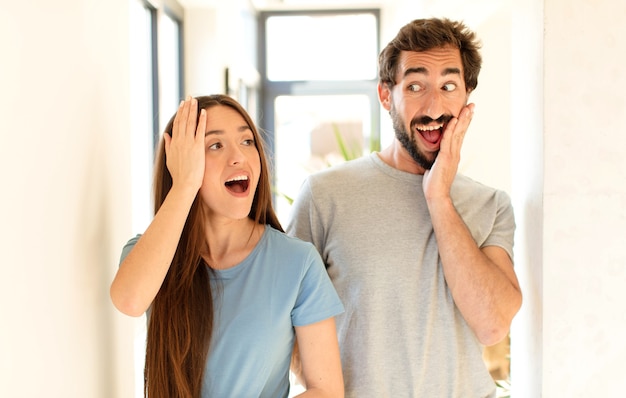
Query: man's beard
x=409 y=142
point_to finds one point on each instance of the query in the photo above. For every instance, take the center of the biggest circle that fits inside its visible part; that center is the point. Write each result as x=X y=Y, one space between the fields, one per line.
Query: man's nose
x=433 y=105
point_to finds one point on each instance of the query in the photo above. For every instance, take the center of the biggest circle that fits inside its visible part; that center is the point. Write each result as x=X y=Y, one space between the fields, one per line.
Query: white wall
x=218 y=36
x=569 y=106
x=527 y=130
x=584 y=257
x=65 y=202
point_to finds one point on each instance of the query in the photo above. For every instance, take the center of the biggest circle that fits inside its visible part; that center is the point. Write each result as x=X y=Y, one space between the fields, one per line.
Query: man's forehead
x=429 y=60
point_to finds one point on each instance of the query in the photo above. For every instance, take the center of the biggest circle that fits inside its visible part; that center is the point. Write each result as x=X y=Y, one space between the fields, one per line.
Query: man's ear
x=384 y=95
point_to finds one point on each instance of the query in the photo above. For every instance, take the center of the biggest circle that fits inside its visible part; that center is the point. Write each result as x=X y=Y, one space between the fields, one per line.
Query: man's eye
x=414 y=87
x=449 y=87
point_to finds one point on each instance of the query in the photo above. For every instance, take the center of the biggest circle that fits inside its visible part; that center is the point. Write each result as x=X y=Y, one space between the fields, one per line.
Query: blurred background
x=87 y=85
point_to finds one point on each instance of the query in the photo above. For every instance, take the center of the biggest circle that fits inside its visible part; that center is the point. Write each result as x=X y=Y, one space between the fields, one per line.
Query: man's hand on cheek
x=438 y=180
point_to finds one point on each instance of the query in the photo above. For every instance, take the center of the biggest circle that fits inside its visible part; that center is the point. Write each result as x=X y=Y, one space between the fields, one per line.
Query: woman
x=226 y=292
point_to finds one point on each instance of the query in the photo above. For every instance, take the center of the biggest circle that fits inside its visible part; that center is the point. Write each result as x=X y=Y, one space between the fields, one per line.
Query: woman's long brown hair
x=181 y=316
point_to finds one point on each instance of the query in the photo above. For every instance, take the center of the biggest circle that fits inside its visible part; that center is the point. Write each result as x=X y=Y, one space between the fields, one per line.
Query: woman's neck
x=230 y=243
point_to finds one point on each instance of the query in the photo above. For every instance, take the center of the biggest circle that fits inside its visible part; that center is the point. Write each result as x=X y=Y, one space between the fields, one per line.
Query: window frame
x=270 y=89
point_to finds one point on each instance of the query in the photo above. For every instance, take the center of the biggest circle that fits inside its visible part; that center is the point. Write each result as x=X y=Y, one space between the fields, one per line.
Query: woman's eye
x=249 y=142
x=217 y=145
x=449 y=87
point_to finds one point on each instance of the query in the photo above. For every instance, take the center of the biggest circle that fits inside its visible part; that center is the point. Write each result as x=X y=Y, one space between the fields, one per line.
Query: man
x=421 y=256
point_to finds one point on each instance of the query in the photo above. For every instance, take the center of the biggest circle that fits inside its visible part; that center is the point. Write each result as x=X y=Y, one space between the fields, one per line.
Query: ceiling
x=277 y=4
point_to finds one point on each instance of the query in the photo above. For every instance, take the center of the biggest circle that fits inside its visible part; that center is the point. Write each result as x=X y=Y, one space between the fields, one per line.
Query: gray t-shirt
x=401 y=334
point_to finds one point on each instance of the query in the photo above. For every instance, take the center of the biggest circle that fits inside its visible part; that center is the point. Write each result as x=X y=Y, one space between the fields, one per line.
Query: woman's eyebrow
x=240 y=129
x=213 y=132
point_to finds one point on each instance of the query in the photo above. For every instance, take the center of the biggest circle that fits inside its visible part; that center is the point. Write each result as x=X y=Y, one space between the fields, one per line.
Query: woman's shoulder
x=281 y=240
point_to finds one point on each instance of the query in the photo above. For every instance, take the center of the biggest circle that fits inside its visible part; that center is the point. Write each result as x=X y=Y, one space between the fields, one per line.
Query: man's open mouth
x=431 y=134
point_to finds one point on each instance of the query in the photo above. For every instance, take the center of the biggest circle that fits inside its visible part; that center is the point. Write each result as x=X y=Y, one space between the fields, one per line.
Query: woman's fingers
x=192 y=117
x=185 y=120
x=201 y=129
x=185 y=148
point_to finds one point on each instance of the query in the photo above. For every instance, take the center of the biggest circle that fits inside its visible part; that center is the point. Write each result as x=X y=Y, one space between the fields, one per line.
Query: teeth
x=429 y=128
x=238 y=178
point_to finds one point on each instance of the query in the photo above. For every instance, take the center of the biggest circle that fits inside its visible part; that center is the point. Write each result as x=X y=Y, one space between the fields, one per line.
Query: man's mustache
x=423 y=120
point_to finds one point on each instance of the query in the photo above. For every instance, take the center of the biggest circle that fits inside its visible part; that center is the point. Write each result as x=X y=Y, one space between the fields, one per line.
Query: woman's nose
x=235 y=155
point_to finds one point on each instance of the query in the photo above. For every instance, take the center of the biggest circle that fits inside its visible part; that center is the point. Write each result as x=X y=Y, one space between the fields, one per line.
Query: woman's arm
x=321 y=363
x=142 y=272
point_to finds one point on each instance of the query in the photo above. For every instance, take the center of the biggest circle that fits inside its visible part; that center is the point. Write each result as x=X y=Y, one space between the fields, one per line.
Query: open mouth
x=238 y=184
x=431 y=134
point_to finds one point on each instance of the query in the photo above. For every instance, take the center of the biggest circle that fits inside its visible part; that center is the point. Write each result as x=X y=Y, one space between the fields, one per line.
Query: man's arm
x=482 y=281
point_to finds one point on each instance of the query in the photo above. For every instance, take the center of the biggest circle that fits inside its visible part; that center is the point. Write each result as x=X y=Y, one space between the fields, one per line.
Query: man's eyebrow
x=451 y=71
x=420 y=70
x=424 y=71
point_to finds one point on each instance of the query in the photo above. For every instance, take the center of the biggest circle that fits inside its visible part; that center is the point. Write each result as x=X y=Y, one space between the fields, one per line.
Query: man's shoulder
x=468 y=193
x=347 y=170
x=468 y=184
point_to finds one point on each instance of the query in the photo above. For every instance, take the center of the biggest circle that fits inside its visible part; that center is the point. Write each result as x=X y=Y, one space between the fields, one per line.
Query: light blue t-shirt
x=281 y=284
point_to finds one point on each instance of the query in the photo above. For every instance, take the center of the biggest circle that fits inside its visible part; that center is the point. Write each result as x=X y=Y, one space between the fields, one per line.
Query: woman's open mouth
x=238 y=184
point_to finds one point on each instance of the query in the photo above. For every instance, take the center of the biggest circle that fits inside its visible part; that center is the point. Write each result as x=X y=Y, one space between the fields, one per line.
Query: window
x=321 y=47
x=319 y=81
x=156 y=89
x=170 y=66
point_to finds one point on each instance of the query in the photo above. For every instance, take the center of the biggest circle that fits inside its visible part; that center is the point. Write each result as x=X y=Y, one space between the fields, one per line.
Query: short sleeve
x=128 y=247
x=317 y=298
x=301 y=218
x=503 y=231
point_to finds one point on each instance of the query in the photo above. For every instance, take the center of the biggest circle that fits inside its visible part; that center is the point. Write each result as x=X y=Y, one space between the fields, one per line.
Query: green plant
x=503 y=388
x=349 y=151
x=346 y=153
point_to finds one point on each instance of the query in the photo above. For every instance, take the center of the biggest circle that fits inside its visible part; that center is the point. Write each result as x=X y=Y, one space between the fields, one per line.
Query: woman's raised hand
x=184 y=149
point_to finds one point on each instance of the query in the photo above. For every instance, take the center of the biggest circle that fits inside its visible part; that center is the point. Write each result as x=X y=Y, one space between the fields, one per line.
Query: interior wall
x=527 y=164
x=65 y=203
x=569 y=336
x=584 y=257
x=219 y=36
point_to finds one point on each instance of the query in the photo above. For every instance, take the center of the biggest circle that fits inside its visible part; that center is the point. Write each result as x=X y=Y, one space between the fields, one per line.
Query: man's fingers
x=457 y=127
x=464 y=120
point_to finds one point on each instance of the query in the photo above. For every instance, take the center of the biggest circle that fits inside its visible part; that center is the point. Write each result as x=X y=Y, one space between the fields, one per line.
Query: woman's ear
x=384 y=95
